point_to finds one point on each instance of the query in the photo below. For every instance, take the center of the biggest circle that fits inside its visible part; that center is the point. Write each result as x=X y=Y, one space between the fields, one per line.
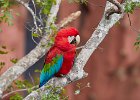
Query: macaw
x=60 y=58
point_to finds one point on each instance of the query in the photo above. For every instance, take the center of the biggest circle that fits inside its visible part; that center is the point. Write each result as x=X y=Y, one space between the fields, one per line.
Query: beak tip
x=77 y=39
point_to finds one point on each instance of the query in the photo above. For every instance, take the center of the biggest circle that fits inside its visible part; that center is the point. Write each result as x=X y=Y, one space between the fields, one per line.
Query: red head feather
x=61 y=40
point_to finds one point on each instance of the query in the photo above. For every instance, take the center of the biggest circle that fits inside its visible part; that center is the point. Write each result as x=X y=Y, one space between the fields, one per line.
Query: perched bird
x=60 y=58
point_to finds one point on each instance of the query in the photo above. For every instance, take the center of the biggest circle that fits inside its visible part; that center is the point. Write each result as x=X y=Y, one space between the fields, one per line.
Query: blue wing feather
x=50 y=69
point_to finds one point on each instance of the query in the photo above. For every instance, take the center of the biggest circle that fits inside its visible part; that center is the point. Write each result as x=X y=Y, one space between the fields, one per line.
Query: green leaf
x=30 y=90
x=36 y=80
x=14 y=60
x=16 y=97
x=10 y=23
x=20 y=84
x=35 y=35
x=37 y=71
x=17 y=14
x=117 y=23
x=45 y=5
x=6 y=4
x=130 y=6
x=27 y=84
x=137 y=43
x=23 y=84
x=3 y=52
x=2 y=64
x=45 y=11
x=38 y=1
x=53 y=27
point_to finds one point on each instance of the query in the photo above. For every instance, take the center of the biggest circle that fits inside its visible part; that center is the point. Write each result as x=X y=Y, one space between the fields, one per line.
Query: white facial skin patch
x=70 y=38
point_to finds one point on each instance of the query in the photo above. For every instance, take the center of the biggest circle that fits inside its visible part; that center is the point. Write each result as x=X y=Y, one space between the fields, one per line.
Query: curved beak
x=74 y=40
x=77 y=39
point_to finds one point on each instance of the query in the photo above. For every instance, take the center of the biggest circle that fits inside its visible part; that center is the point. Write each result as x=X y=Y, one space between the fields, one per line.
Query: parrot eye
x=70 y=39
x=74 y=40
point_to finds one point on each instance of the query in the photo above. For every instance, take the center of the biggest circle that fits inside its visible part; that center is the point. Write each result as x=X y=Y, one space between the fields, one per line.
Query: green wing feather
x=50 y=69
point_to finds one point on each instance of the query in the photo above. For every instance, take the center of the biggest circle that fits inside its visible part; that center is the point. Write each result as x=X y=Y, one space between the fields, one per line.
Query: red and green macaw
x=60 y=58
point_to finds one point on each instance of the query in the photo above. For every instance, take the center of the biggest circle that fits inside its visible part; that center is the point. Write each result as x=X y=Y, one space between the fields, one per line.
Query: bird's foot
x=62 y=75
x=68 y=78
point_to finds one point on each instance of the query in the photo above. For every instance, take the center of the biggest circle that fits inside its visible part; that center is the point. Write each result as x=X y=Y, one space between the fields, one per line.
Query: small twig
x=39 y=20
x=130 y=23
x=34 y=6
x=34 y=39
x=30 y=10
x=27 y=28
x=40 y=16
x=70 y=18
x=20 y=90
x=129 y=19
x=80 y=47
x=31 y=78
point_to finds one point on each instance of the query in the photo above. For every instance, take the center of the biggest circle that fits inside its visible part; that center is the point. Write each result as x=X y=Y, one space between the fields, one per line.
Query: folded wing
x=50 y=69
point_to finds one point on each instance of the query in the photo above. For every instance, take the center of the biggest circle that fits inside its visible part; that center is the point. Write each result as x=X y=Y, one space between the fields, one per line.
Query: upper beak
x=74 y=40
x=77 y=39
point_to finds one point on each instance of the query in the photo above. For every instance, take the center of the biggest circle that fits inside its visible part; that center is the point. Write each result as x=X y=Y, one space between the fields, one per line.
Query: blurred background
x=114 y=68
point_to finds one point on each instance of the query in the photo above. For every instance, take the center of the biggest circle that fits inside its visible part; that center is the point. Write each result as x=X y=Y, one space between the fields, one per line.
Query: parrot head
x=67 y=38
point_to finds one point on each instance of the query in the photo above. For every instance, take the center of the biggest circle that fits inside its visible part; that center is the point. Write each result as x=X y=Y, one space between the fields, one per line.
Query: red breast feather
x=67 y=63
